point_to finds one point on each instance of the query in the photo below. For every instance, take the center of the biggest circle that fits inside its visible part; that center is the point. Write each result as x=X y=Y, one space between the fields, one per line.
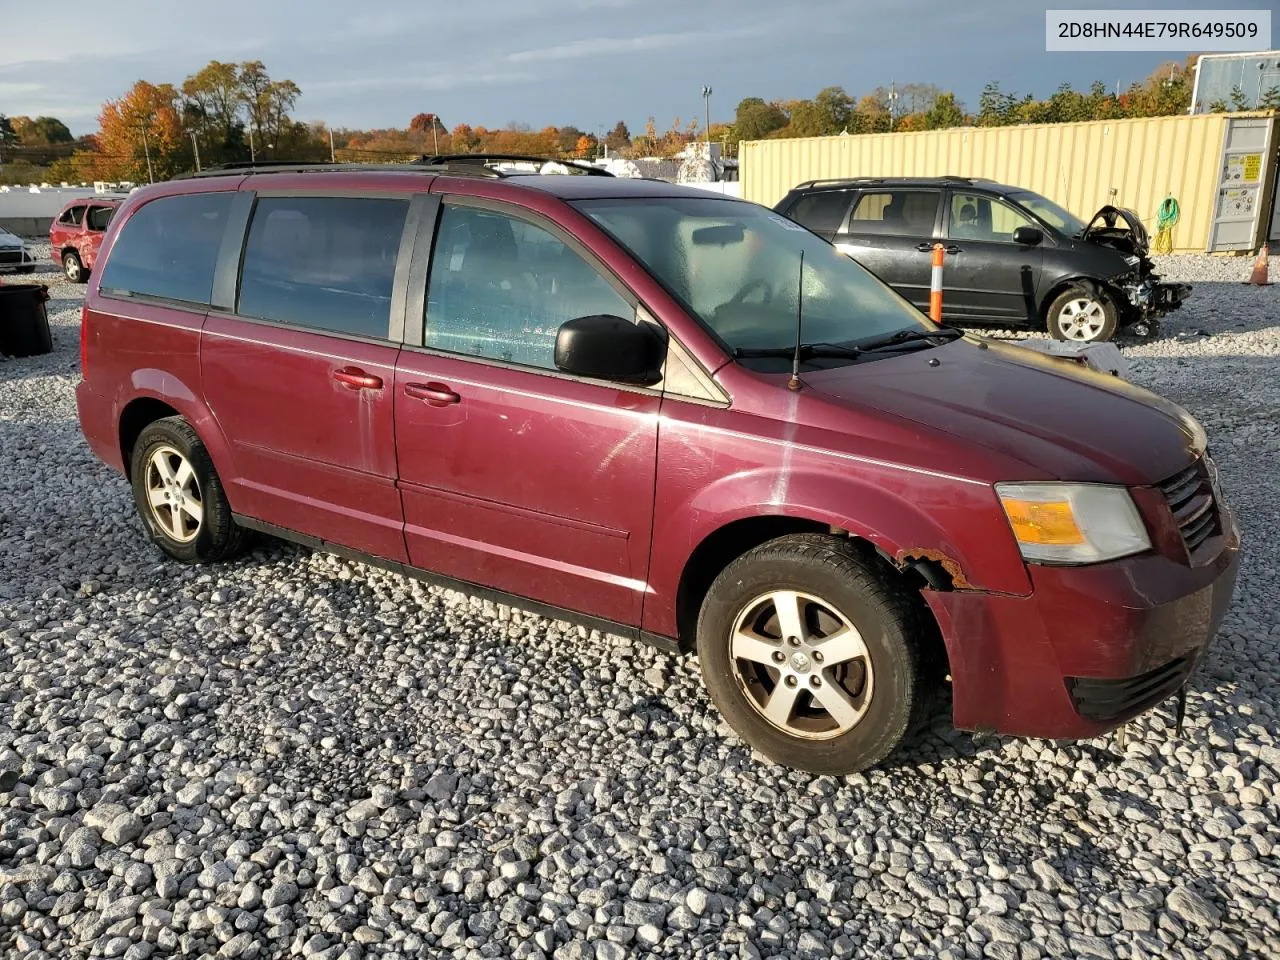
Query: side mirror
x=1028 y=236
x=610 y=348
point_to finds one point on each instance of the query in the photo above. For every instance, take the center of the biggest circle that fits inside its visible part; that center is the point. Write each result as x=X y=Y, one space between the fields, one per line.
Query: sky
x=586 y=63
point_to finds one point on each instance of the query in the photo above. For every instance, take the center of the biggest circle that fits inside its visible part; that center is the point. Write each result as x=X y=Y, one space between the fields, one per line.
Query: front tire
x=1079 y=315
x=179 y=496
x=813 y=654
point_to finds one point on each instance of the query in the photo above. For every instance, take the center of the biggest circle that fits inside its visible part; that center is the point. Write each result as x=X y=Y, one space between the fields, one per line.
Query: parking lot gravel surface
x=295 y=755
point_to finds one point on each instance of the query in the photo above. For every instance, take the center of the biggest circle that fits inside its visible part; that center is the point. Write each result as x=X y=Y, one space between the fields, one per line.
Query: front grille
x=1105 y=701
x=10 y=257
x=1191 y=499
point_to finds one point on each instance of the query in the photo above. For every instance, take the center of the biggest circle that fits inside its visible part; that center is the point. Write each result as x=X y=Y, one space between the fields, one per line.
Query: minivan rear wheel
x=179 y=496
x=813 y=655
x=1082 y=316
x=72 y=267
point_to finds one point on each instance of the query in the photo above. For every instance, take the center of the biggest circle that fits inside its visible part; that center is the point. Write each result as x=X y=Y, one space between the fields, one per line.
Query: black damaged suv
x=1014 y=258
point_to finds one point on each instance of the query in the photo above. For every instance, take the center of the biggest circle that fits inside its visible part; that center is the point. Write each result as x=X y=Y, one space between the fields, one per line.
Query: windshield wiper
x=910 y=336
x=807 y=350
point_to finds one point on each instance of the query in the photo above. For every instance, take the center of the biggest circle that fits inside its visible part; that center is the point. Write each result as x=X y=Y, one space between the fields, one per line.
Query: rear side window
x=909 y=213
x=99 y=217
x=821 y=212
x=168 y=249
x=324 y=263
x=73 y=216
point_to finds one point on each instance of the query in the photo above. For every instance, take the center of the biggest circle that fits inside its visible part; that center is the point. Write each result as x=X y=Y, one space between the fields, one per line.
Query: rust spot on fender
x=952 y=569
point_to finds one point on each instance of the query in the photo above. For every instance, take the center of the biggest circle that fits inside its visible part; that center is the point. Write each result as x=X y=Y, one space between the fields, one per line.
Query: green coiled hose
x=1166 y=219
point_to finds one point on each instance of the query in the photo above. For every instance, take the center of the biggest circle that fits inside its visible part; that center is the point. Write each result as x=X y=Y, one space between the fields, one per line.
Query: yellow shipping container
x=1130 y=163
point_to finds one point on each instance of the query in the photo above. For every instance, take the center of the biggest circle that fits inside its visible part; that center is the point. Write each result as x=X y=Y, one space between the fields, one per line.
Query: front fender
x=906 y=513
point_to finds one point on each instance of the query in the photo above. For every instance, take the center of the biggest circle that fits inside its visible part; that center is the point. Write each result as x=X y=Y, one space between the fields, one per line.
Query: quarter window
x=324 y=263
x=501 y=287
x=73 y=216
x=975 y=217
x=99 y=217
x=168 y=249
x=906 y=213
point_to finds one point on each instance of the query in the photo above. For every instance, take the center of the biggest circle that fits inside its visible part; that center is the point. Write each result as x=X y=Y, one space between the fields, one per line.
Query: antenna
x=794 y=382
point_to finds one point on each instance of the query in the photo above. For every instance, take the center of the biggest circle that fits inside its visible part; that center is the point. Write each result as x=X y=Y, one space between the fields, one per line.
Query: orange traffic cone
x=1258 y=277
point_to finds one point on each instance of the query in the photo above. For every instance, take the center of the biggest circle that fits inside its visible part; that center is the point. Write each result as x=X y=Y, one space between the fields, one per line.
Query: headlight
x=1073 y=522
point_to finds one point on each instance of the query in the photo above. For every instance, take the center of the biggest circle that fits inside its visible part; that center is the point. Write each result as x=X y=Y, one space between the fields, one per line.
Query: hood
x=1119 y=229
x=8 y=240
x=1063 y=420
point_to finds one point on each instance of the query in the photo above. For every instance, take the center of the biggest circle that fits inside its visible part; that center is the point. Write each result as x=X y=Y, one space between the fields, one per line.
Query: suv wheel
x=1082 y=316
x=179 y=496
x=72 y=267
x=811 y=654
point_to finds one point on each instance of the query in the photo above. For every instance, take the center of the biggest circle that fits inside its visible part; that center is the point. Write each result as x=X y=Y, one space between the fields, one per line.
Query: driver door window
x=984 y=218
x=501 y=287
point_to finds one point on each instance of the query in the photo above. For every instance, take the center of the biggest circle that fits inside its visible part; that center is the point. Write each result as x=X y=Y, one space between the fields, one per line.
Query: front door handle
x=952 y=250
x=357 y=379
x=436 y=394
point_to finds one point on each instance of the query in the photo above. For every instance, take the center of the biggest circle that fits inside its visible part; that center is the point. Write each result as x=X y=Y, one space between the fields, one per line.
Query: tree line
x=233 y=113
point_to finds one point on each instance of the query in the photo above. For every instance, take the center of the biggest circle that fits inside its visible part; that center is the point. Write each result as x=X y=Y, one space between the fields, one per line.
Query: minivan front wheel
x=1082 y=316
x=812 y=654
x=179 y=496
x=72 y=267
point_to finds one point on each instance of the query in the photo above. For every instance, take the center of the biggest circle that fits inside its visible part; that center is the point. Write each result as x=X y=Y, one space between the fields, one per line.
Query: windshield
x=736 y=267
x=1050 y=212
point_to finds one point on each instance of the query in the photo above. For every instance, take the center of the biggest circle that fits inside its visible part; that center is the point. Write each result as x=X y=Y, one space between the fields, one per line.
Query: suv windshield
x=736 y=267
x=1048 y=211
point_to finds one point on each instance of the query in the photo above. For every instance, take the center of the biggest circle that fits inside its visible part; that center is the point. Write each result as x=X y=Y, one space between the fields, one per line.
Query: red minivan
x=665 y=414
x=76 y=234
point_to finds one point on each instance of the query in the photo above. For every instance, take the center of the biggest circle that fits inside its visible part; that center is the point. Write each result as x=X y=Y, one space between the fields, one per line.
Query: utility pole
x=146 y=146
x=253 y=157
x=706 y=102
x=333 y=157
x=893 y=104
x=196 y=149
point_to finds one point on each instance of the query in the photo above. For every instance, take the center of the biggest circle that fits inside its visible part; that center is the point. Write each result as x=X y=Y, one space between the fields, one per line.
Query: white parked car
x=15 y=254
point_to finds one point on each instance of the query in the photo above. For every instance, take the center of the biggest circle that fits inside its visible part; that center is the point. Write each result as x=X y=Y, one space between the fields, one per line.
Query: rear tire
x=73 y=268
x=179 y=496
x=843 y=694
x=1078 y=315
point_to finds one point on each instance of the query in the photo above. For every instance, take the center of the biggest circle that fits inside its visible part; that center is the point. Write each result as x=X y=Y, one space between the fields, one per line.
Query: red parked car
x=75 y=236
x=583 y=395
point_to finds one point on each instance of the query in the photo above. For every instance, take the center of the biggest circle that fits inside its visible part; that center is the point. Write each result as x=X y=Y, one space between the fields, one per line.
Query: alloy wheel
x=174 y=494
x=1082 y=319
x=803 y=665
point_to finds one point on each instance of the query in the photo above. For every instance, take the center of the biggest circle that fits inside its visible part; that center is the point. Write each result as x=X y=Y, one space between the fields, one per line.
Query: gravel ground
x=293 y=755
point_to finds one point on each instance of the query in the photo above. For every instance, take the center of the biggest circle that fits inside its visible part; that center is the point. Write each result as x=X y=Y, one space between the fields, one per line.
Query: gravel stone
x=295 y=755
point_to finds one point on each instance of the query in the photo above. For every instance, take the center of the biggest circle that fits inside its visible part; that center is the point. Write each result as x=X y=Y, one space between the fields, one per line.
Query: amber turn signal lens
x=1050 y=523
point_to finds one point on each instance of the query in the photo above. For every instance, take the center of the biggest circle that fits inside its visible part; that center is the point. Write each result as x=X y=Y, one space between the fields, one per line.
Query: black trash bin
x=24 y=322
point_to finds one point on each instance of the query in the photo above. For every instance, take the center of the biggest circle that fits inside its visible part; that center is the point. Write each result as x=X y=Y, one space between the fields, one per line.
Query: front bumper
x=1091 y=647
x=1153 y=298
x=13 y=258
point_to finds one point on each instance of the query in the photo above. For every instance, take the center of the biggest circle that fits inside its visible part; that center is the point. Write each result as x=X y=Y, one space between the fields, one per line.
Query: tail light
x=84 y=343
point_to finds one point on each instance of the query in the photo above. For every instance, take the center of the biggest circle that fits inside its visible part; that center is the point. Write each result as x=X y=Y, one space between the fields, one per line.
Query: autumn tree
x=42 y=131
x=754 y=119
x=214 y=101
x=619 y=138
x=146 y=120
x=465 y=138
x=946 y=112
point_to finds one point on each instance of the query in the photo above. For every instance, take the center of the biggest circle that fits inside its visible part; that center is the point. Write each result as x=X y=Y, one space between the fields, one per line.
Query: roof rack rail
x=482 y=159
x=838 y=181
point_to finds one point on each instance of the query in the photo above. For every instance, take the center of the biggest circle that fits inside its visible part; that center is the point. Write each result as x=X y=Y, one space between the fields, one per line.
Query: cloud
x=596 y=47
